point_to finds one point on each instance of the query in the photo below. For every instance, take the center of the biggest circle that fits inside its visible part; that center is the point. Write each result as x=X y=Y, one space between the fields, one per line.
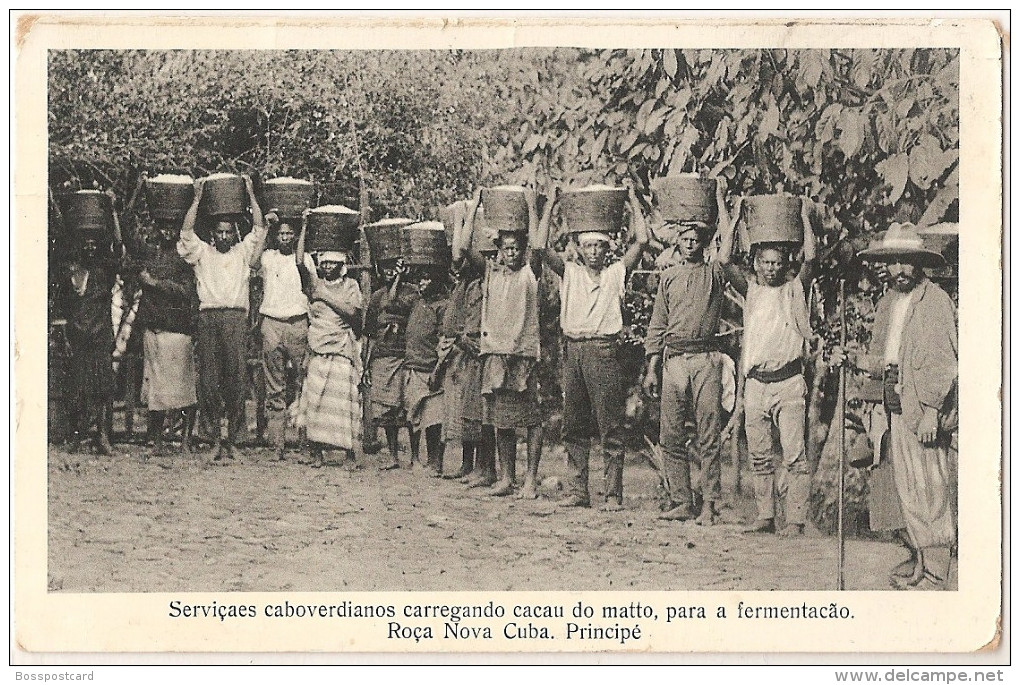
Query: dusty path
x=129 y=524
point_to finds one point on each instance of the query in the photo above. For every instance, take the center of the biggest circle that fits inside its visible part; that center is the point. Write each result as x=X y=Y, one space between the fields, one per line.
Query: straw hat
x=902 y=240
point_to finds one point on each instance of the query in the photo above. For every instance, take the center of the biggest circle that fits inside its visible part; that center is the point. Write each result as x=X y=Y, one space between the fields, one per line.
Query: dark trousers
x=221 y=373
x=593 y=406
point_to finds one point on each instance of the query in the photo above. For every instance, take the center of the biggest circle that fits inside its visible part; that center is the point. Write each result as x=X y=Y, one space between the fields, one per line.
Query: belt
x=784 y=372
x=591 y=338
x=691 y=347
x=288 y=319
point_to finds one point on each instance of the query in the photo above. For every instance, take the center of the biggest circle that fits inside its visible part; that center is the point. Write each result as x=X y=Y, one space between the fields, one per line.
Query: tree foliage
x=871 y=136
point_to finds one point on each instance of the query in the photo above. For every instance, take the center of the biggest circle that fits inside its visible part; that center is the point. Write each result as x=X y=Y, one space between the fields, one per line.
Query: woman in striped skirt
x=330 y=406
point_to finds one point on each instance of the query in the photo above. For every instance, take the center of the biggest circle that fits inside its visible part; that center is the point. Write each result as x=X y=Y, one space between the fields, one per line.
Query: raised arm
x=473 y=256
x=254 y=242
x=638 y=229
x=728 y=230
x=807 y=269
x=544 y=240
x=118 y=238
x=536 y=238
x=189 y=245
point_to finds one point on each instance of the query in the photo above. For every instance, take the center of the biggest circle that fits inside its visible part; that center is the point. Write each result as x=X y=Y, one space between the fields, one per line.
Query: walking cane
x=842 y=436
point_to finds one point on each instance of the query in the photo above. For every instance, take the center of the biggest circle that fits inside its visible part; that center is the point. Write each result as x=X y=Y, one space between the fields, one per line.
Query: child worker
x=682 y=346
x=509 y=343
x=330 y=403
x=423 y=395
x=776 y=325
x=591 y=316
x=385 y=331
x=222 y=273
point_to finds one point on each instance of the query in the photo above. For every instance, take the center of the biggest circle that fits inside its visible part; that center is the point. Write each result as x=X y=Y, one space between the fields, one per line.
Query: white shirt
x=221 y=277
x=510 y=312
x=775 y=325
x=282 y=296
x=897 y=318
x=592 y=306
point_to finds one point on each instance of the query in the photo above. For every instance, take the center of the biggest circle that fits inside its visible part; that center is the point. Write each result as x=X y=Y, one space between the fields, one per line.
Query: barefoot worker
x=92 y=272
x=776 y=326
x=682 y=345
x=510 y=336
x=386 y=330
x=222 y=273
x=465 y=364
x=167 y=312
x=284 y=309
x=427 y=253
x=591 y=316
x=330 y=403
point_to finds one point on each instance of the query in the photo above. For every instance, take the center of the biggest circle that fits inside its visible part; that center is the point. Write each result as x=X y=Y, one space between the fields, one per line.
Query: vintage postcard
x=618 y=336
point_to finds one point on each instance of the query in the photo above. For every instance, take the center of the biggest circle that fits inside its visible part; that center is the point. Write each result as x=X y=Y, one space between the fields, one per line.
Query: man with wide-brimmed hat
x=914 y=351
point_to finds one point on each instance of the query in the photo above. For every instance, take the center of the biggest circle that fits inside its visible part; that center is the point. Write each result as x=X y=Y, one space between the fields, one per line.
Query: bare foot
x=529 y=491
x=501 y=489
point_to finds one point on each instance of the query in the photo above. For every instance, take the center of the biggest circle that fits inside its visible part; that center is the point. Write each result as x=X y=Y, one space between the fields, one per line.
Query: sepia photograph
x=449 y=318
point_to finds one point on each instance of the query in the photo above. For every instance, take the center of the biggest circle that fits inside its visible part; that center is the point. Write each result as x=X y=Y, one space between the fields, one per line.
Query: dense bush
x=871 y=136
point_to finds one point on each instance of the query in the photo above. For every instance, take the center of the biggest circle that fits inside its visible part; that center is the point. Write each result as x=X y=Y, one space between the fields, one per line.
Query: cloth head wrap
x=590 y=236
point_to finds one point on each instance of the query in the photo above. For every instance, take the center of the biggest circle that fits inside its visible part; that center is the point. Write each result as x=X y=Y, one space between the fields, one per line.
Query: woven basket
x=686 y=198
x=595 y=208
x=169 y=199
x=424 y=244
x=332 y=228
x=483 y=238
x=506 y=208
x=384 y=238
x=288 y=196
x=772 y=219
x=447 y=215
x=223 y=194
x=88 y=211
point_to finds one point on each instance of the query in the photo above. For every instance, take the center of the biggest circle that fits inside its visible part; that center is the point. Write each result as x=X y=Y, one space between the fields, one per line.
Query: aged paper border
x=886 y=622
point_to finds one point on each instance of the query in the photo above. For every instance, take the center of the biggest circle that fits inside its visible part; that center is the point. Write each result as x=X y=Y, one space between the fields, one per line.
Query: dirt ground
x=135 y=523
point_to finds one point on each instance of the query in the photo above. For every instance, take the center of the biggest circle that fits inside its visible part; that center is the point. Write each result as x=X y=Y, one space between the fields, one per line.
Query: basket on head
x=288 y=196
x=384 y=238
x=333 y=227
x=223 y=194
x=483 y=238
x=169 y=196
x=687 y=197
x=772 y=219
x=593 y=208
x=424 y=244
x=88 y=211
x=506 y=208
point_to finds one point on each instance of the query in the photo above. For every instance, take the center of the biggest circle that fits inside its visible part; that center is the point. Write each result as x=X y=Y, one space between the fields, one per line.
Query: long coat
x=928 y=352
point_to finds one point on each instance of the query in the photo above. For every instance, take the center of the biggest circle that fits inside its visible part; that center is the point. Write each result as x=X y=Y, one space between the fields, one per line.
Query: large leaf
x=893 y=171
x=851 y=127
x=669 y=62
